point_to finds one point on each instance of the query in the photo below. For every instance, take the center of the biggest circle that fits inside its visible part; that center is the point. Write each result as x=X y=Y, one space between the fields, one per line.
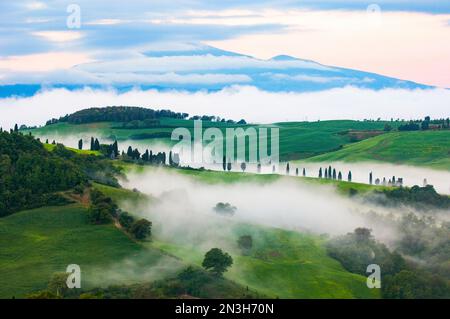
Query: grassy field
x=429 y=148
x=283 y=263
x=37 y=243
x=51 y=147
x=298 y=140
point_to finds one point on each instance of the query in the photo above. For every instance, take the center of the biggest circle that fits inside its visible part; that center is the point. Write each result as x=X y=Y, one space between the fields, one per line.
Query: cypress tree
x=296 y=171
x=116 y=149
x=340 y=176
x=170 y=159
x=334 y=173
x=287 y=169
x=370 y=178
x=130 y=152
x=349 y=177
x=224 y=163
x=320 y=172
x=259 y=168
x=326 y=172
x=97 y=145
x=80 y=144
x=304 y=172
x=92 y=144
x=229 y=166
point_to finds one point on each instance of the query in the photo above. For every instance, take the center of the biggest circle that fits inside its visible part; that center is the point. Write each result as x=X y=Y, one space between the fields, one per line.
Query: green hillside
x=422 y=148
x=35 y=244
x=298 y=140
x=283 y=263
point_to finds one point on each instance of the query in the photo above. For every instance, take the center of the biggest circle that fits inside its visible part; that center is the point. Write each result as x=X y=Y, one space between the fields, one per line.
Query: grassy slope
x=51 y=147
x=429 y=148
x=39 y=242
x=297 y=139
x=284 y=264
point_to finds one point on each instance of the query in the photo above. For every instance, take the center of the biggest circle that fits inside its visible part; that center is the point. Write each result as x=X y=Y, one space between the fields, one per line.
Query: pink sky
x=410 y=46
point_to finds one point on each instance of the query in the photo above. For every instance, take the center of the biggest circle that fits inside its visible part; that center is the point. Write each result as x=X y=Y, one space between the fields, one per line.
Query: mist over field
x=237 y=102
x=184 y=207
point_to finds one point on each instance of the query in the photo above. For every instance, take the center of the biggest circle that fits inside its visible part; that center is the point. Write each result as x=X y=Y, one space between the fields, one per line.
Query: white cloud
x=237 y=102
x=59 y=36
x=35 y=5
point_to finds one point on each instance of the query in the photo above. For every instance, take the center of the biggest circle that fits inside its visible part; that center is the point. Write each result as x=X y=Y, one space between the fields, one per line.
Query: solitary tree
x=349 y=177
x=224 y=163
x=370 y=178
x=80 y=144
x=130 y=152
x=141 y=229
x=320 y=172
x=287 y=168
x=304 y=172
x=296 y=171
x=217 y=261
x=245 y=243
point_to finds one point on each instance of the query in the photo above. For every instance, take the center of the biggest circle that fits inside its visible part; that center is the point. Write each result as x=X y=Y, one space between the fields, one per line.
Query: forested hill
x=117 y=114
x=30 y=175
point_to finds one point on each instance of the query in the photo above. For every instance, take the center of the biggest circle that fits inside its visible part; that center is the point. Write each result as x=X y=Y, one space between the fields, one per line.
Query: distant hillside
x=116 y=114
x=422 y=148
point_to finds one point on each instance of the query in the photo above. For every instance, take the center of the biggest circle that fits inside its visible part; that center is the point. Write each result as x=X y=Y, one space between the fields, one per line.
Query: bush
x=141 y=229
x=217 y=261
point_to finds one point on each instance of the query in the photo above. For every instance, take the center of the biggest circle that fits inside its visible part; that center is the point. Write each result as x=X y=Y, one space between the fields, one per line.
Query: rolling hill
x=429 y=148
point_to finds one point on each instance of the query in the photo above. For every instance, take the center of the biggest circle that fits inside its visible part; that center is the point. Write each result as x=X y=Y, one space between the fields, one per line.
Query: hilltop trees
x=217 y=261
x=29 y=174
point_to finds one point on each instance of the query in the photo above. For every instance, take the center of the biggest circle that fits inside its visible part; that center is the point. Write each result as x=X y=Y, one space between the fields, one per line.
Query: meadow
x=37 y=243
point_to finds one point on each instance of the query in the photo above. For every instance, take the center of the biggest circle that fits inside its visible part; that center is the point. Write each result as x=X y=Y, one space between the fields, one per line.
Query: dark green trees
x=245 y=243
x=217 y=261
x=141 y=229
x=80 y=144
x=349 y=176
x=320 y=172
x=370 y=178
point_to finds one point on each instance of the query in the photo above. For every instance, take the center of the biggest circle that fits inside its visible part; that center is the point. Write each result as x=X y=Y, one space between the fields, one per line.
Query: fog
x=412 y=175
x=184 y=207
x=236 y=102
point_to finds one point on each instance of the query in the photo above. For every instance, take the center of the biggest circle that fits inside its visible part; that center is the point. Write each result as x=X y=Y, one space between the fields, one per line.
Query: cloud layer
x=237 y=102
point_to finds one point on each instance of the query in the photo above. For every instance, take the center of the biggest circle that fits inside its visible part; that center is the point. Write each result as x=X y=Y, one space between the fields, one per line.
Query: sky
x=409 y=40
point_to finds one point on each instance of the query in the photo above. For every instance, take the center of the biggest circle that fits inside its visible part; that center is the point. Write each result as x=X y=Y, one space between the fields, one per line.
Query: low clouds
x=237 y=102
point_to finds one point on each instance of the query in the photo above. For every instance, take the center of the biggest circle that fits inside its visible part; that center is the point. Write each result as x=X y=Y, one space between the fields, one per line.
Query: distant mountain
x=195 y=67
